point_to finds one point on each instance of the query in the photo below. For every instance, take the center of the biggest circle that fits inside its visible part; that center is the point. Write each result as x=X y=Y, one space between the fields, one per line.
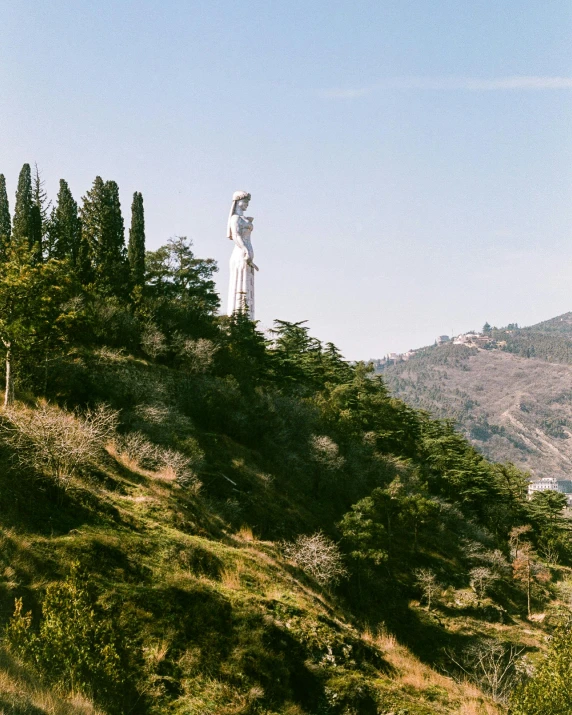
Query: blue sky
x=410 y=162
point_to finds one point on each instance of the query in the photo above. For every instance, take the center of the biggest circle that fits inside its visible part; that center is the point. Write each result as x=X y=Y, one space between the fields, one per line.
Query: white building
x=543 y=485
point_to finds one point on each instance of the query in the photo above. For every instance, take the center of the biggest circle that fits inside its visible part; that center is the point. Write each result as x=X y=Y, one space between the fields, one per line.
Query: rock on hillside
x=512 y=400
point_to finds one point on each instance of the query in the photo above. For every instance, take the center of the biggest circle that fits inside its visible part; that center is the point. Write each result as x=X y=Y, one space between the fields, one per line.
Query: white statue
x=241 y=285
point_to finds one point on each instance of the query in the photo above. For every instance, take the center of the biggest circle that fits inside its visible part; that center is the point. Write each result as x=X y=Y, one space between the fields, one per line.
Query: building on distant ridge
x=543 y=485
x=564 y=486
x=443 y=339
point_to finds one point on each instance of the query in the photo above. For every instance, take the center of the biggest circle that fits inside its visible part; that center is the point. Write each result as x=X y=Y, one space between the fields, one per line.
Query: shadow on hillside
x=426 y=635
x=213 y=635
x=42 y=507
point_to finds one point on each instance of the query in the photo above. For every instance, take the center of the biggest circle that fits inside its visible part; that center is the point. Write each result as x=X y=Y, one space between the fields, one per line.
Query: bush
x=151 y=456
x=57 y=443
x=79 y=646
x=318 y=556
x=548 y=691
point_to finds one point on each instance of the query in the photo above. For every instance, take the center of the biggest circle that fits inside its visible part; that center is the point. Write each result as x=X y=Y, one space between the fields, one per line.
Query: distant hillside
x=512 y=396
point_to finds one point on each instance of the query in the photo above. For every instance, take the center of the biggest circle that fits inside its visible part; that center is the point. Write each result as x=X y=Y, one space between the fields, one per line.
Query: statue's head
x=241 y=199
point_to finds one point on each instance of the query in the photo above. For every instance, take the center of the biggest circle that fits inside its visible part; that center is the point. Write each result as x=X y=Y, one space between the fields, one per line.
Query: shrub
x=326 y=453
x=79 y=646
x=151 y=456
x=196 y=355
x=548 y=691
x=57 y=443
x=153 y=341
x=317 y=556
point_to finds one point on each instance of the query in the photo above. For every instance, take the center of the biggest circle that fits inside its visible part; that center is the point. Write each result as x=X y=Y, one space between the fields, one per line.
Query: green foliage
x=5 y=220
x=104 y=239
x=548 y=692
x=27 y=228
x=35 y=314
x=180 y=293
x=65 y=227
x=79 y=645
x=364 y=531
x=136 y=246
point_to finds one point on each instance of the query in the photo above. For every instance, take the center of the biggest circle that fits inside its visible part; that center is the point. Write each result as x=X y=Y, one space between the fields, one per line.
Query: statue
x=241 y=284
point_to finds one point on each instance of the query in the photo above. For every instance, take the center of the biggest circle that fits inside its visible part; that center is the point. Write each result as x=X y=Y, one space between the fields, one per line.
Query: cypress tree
x=136 y=248
x=40 y=214
x=40 y=197
x=114 y=255
x=104 y=236
x=5 y=221
x=23 y=231
x=65 y=230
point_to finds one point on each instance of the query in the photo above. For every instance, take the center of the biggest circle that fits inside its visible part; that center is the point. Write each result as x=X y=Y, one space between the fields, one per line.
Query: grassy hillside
x=196 y=518
x=213 y=618
x=514 y=402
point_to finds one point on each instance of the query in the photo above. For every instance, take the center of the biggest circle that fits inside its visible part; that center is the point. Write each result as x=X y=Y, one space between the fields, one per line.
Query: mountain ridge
x=511 y=396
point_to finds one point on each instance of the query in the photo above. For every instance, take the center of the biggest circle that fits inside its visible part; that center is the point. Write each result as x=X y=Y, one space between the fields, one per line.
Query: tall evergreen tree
x=40 y=214
x=104 y=236
x=91 y=215
x=65 y=228
x=113 y=259
x=136 y=247
x=24 y=231
x=5 y=221
x=40 y=196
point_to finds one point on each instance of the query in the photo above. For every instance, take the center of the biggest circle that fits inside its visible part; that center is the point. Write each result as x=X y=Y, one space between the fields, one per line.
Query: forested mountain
x=511 y=397
x=195 y=518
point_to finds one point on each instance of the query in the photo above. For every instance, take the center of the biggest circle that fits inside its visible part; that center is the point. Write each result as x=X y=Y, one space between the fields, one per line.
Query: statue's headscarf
x=236 y=197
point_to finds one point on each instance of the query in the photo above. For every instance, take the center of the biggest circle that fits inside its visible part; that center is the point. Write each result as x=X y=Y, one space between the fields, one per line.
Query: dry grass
x=21 y=691
x=411 y=673
x=245 y=533
x=230 y=577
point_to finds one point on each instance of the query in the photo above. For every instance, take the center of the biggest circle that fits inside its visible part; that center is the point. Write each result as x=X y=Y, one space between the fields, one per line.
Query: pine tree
x=5 y=221
x=136 y=248
x=24 y=226
x=65 y=228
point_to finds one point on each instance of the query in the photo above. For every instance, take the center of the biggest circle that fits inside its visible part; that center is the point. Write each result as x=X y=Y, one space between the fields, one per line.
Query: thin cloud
x=450 y=83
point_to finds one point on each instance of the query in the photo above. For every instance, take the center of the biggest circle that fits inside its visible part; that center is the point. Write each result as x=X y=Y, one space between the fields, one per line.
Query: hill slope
x=213 y=617
x=512 y=400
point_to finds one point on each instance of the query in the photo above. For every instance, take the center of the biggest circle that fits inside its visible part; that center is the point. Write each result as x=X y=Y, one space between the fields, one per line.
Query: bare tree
x=427 y=582
x=529 y=571
x=318 y=556
x=517 y=538
x=326 y=452
x=481 y=579
x=492 y=666
x=57 y=443
x=196 y=355
x=153 y=341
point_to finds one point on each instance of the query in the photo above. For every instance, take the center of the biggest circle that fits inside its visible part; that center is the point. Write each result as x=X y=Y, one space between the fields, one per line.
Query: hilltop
x=198 y=518
x=509 y=390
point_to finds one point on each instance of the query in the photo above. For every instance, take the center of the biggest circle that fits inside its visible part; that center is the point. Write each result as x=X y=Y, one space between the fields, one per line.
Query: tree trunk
x=528 y=587
x=9 y=391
